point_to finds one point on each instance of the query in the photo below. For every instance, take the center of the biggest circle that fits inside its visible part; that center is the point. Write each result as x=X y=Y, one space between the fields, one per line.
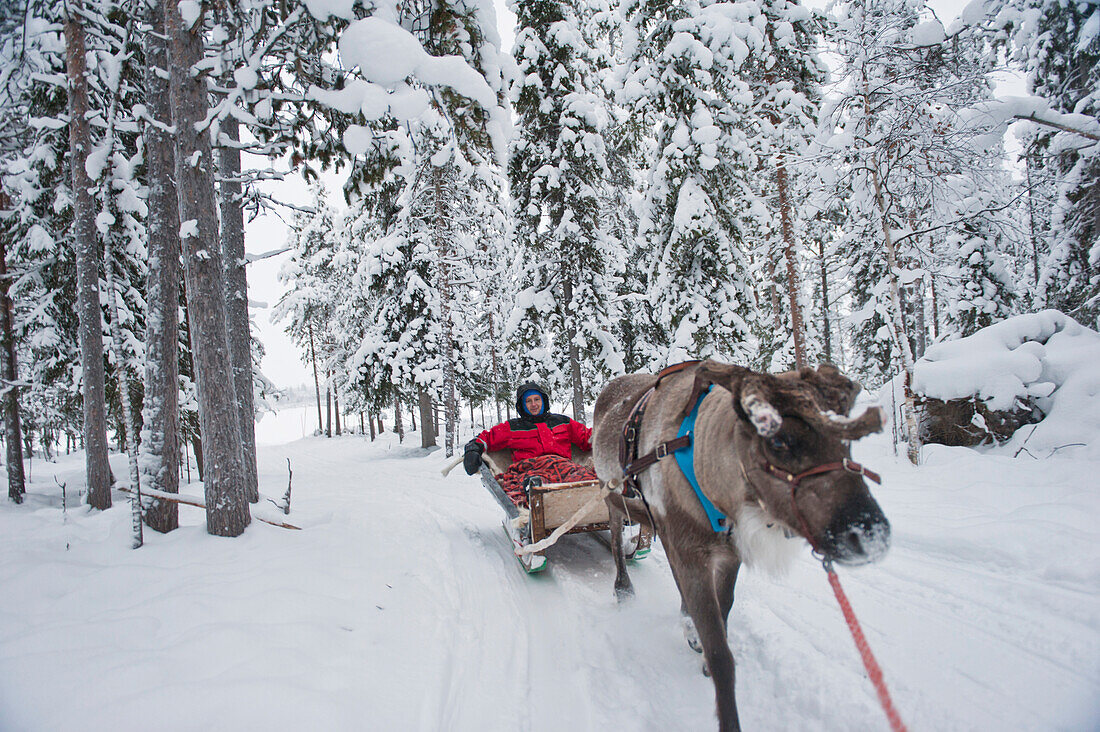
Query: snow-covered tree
x=685 y=76
x=558 y=168
x=1057 y=44
x=224 y=481
x=919 y=169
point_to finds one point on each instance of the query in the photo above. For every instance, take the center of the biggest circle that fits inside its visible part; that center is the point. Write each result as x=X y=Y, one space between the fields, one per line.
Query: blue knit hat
x=534 y=392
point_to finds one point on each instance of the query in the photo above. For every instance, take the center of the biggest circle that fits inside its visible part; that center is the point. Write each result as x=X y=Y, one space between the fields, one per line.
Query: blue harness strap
x=685 y=458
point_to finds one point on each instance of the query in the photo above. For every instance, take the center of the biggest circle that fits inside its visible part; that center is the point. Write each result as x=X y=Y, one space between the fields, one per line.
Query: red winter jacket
x=547 y=434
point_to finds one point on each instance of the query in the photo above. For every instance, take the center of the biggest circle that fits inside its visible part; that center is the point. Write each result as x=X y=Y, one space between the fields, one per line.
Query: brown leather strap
x=659 y=453
x=628 y=441
x=850 y=466
x=674 y=369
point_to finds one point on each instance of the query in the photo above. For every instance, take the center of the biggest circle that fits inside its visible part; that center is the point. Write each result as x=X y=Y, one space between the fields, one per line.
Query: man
x=541 y=445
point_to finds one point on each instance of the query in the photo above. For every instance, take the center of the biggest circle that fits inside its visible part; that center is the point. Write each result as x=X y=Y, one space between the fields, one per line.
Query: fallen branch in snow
x=199 y=503
x=1072 y=444
x=285 y=506
x=64 y=510
x=1023 y=445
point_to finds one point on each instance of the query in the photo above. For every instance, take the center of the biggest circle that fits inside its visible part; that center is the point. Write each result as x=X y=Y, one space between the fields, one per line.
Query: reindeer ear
x=835 y=392
x=751 y=393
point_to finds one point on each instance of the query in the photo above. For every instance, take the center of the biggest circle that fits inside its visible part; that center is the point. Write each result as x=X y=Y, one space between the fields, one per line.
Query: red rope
x=869 y=662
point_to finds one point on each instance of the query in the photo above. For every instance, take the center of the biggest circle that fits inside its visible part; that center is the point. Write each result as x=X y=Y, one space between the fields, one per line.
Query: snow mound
x=1046 y=359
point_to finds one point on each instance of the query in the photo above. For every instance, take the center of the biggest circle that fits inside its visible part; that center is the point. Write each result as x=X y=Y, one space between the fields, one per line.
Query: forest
x=631 y=185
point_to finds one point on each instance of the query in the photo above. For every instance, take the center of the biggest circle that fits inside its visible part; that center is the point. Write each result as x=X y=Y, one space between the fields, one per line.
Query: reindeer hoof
x=624 y=592
x=691 y=635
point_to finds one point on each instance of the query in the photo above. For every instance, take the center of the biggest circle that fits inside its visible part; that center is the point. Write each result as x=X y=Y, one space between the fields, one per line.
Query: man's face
x=534 y=404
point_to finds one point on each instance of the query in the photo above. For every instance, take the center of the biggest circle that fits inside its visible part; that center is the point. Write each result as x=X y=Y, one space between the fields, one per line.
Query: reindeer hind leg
x=624 y=589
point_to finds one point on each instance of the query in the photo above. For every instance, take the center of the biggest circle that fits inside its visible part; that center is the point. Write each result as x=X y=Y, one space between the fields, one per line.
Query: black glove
x=471 y=461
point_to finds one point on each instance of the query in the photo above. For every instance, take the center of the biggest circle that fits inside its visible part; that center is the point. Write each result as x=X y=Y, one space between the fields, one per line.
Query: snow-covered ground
x=399 y=607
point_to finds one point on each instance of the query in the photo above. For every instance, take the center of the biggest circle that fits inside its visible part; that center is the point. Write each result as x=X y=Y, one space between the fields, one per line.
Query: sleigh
x=552 y=505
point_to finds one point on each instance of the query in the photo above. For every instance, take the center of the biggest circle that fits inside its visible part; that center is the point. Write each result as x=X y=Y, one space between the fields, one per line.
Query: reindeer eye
x=780 y=443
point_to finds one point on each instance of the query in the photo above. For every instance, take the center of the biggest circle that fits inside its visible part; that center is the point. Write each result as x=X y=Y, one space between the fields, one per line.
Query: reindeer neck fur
x=763 y=542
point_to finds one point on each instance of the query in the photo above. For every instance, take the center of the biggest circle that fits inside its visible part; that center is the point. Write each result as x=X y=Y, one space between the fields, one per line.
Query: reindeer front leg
x=697 y=588
x=726 y=578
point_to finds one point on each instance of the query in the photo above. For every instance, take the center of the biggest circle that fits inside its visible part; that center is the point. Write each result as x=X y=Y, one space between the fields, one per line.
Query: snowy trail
x=400 y=607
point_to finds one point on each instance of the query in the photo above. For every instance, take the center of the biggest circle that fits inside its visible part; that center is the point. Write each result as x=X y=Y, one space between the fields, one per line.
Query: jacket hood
x=521 y=408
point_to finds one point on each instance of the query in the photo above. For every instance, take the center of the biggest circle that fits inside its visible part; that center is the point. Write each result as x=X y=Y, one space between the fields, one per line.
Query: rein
x=874 y=671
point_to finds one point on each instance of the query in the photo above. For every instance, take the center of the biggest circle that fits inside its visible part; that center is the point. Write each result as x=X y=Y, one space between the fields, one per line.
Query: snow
x=245 y=77
x=387 y=54
x=190 y=11
x=189 y=228
x=1046 y=357
x=400 y=606
x=929 y=33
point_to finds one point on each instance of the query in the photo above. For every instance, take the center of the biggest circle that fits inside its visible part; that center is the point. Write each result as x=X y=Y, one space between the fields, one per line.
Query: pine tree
x=786 y=79
x=558 y=169
x=1057 y=44
x=225 y=479
x=87 y=261
x=685 y=76
x=160 y=444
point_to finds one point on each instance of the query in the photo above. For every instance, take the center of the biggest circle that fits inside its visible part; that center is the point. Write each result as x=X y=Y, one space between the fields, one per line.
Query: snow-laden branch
x=1037 y=110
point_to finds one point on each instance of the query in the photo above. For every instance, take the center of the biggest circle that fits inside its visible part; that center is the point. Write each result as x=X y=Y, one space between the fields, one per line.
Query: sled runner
x=551 y=505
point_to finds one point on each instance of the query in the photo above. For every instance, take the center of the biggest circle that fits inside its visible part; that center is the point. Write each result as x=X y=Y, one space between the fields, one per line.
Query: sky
x=283 y=364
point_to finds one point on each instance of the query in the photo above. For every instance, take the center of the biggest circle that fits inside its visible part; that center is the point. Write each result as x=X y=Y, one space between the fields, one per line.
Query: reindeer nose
x=859 y=534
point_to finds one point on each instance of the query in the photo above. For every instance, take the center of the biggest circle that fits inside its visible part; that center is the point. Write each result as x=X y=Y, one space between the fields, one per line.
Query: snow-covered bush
x=1031 y=382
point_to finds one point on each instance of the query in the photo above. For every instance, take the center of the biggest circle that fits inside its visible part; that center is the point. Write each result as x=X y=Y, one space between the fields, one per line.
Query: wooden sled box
x=553 y=504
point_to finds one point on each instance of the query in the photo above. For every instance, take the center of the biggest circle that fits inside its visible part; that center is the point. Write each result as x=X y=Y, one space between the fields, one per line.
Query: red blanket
x=551 y=468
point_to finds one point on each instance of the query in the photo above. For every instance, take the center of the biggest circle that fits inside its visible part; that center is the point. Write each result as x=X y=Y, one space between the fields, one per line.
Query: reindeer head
x=791 y=446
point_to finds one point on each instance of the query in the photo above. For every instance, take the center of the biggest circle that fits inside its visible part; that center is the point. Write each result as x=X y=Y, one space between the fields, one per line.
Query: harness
x=682 y=447
x=628 y=442
x=847 y=465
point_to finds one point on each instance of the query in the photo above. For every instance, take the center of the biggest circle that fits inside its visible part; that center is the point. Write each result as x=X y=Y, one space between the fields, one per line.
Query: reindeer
x=771 y=452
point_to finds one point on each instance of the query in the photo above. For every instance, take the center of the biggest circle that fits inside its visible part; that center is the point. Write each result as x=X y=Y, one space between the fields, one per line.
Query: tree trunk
x=1031 y=225
x=443 y=247
x=328 y=408
x=574 y=352
x=789 y=254
x=160 y=444
x=124 y=378
x=13 y=434
x=412 y=417
x=225 y=482
x=336 y=408
x=236 y=297
x=398 y=426
x=87 y=266
x=427 y=431
x=896 y=325
x=196 y=448
x=826 y=327
x=316 y=379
